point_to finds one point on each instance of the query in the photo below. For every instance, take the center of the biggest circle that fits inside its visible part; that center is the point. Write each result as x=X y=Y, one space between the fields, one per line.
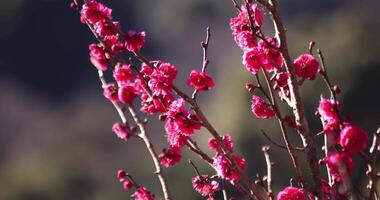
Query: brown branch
x=236 y=5
x=269 y=172
x=132 y=180
x=260 y=86
x=277 y=144
x=209 y=127
x=298 y=109
x=205 y=61
x=196 y=108
x=143 y=135
x=139 y=123
x=194 y=147
x=373 y=176
x=284 y=131
x=329 y=85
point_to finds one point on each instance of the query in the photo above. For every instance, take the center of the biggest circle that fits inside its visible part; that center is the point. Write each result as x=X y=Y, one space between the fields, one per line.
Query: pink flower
x=134 y=40
x=164 y=72
x=213 y=144
x=113 y=43
x=174 y=137
x=204 y=186
x=186 y=125
x=291 y=193
x=273 y=57
x=170 y=156
x=281 y=80
x=353 y=138
x=110 y=92
x=94 y=11
x=337 y=162
x=241 y=22
x=223 y=166
x=328 y=114
x=162 y=78
x=105 y=28
x=200 y=80
x=254 y=59
x=142 y=194
x=121 y=131
x=260 y=109
x=127 y=94
x=306 y=66
x=176 y=107
x=98 y=57
x=123 y=74
x=146 y=70
x=327 y=191
x=151 y=105
x=245 y=40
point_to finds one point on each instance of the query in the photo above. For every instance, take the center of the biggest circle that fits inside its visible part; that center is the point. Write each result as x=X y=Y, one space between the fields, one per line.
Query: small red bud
x=73 y=5
x=162 y=117
x=127 y=185
x=311 y=46
x=206 y=62
x=121 y=174
x=203 y=45
x=336 y=89
x=265 y=148
x=257 y=181
x=250 y=87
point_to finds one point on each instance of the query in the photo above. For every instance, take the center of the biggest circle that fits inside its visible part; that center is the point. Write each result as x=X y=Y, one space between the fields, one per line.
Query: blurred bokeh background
x=55 y=126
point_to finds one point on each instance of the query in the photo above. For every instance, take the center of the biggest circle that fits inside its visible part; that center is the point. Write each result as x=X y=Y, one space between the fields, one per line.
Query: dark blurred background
x=55 y=126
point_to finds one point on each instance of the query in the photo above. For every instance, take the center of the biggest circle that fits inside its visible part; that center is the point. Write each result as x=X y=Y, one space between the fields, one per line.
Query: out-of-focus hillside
x=55 y=127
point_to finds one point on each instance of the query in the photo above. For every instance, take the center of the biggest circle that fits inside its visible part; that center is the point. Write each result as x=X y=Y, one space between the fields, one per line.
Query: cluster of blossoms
x=222 y=164
x=263 y=53
x=152 y=83
x=351 y=138
x=205 y=186
x=141 y=193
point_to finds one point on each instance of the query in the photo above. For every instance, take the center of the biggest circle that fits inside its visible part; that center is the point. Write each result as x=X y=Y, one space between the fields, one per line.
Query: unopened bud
x=336 y=89
x=250 y=87
x=203 y=45
x=162 y=117
x=311 y=46
x=265 y=148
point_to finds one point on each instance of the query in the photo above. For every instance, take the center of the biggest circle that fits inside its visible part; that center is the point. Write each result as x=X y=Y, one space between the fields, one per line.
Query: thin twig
x=269 y=171
x=277 y=144
x=152 y=151
x=139 y=123
x=236 y=5
x=195 y=168
x=205 y=61
x=132 y=180
x=373 y=176
x=194 y=147
x=284 y=131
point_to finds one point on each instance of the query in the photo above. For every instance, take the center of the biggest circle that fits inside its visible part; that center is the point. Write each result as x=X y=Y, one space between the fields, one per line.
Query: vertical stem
x=269 y=171
x=153 y=154
x=290 y=148
x=298 y=110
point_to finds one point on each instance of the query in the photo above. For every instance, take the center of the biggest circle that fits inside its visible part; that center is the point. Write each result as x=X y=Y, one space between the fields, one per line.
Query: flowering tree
x=151 y=81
